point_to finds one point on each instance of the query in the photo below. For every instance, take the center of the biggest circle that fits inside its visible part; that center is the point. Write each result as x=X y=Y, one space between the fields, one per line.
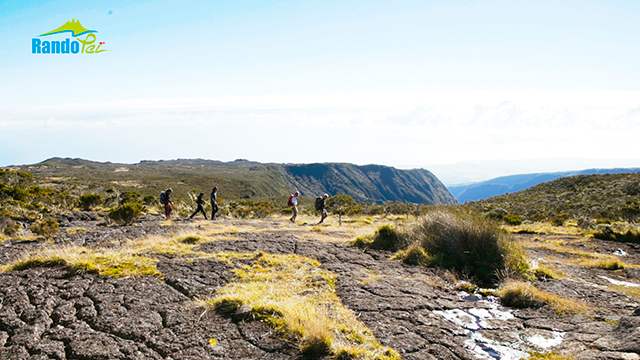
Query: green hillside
x=611 y=196
x=242 y=179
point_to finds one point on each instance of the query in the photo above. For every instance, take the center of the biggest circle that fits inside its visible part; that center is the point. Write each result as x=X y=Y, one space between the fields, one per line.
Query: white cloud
x=390 y=128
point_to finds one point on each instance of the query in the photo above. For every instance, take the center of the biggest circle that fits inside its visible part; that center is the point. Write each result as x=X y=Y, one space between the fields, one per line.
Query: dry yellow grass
x=80 y=259
x=521 y=294
x=298 y=298
x=627 y=290
x=606 y=263
x=543 y=228
x=550 y=356
x=77 y=230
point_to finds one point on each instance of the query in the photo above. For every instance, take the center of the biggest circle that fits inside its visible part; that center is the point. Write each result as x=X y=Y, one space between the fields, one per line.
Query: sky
x=433 y=84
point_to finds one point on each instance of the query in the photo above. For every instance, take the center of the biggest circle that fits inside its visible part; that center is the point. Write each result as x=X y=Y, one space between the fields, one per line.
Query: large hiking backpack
x=319 y=203
x=163 y=198
x=290 y=201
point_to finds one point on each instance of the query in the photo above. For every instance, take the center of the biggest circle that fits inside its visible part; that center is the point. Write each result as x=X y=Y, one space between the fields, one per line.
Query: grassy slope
x=600 y=196
x=244 y=179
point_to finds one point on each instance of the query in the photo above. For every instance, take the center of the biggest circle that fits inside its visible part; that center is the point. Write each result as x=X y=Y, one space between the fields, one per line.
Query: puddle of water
x=546 y=342
x=484 y=348
x=620 y=252
x=620 y=283
x=478 y=322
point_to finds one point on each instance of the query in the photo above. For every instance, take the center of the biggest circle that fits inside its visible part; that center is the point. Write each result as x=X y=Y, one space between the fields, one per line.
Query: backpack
x=163 y=198
x=319 y=203
x=290 y=201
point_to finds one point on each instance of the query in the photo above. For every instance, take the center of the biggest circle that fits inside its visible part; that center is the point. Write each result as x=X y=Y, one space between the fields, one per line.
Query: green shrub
x=10 y=228
x=387 y=237
x=341 y=204
x=512 y=219
x=46 y=228
x=88 y=201
x=468 y=244
x=607 y=232
x=559 y=220
x=130 y=197
x=126 y=213
x=150 y=200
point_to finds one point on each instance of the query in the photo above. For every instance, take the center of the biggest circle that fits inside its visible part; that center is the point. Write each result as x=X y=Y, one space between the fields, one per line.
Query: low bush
x=130 y=197
x=512 y=219
x=127 y=213
x=387 y=237
x=47 y=228
x=89 y=201
x=607 y=232
x=10 y=228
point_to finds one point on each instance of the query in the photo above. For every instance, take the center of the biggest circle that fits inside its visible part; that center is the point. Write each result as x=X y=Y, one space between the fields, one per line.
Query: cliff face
x=369 y=183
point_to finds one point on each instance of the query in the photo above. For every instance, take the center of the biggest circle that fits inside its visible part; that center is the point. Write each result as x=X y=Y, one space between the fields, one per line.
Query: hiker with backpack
x=165 y=200
x=293 y=204
x=214 y=202
x=321 y=206
x=200 y=207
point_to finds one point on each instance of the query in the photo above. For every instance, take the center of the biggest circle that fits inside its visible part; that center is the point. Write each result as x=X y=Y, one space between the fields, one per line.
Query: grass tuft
x=519 y=294
x=466 y=286
x=414 y=255
x=388 y=237
x=606 y=264
x=468 y=244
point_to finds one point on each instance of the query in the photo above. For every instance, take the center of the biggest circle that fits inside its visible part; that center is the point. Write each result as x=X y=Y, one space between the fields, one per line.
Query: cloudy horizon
x=403 y=83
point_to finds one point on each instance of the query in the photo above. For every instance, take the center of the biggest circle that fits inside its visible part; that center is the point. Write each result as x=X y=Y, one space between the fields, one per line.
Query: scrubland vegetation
x=485 y=247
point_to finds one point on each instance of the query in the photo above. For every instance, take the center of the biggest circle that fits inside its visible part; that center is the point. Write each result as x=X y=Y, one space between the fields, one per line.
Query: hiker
x=165 y=200
x=293 y=204
x=200 y=208
x=321 y=206
x=214 y=202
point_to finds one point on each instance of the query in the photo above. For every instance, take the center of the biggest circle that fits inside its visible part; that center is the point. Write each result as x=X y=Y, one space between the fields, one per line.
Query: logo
x=69 y=45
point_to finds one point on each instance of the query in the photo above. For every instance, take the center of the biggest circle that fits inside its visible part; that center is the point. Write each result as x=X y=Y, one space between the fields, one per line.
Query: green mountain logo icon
x=73 y=26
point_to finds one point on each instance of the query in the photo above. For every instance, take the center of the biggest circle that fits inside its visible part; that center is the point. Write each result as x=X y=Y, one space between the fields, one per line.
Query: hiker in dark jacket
x=200 y=204
x=214 y=202
x=166 y=201
x=321 y=206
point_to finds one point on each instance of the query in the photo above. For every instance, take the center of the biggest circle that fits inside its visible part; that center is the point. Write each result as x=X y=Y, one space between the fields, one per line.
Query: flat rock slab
x=48 y=313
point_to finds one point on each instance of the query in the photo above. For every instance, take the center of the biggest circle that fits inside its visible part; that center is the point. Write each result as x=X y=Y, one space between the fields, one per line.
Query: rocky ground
x=53 y=313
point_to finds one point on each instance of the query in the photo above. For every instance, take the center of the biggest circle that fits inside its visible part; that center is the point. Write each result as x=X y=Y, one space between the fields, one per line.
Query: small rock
x=242 y=312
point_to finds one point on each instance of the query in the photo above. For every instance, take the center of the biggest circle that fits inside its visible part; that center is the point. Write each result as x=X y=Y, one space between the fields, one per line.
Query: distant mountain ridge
x=514 y=183
x=247 y=179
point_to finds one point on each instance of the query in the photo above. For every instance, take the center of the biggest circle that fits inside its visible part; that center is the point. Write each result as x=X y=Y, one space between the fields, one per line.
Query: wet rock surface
x=50 y=313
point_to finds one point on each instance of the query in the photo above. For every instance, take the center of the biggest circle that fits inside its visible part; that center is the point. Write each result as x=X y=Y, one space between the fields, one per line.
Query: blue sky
x=401 y=83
